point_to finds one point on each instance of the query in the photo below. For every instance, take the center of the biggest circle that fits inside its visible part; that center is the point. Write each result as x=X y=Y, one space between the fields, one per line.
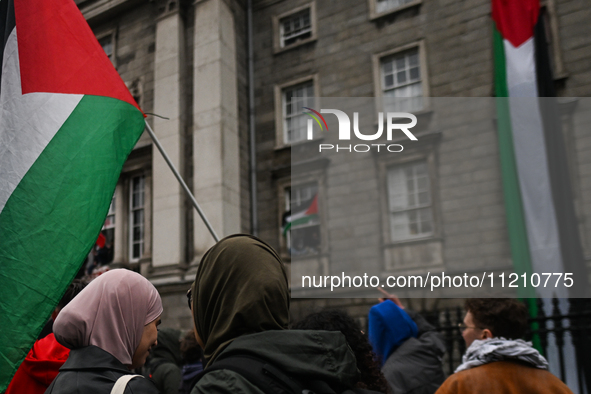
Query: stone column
x=215 y=126
x=168 y=233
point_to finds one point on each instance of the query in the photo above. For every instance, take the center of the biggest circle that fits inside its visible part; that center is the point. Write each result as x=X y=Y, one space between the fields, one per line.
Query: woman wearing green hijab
x=240 y=306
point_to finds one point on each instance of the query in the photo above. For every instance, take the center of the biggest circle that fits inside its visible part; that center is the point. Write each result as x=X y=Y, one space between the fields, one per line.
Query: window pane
x=389 y=80
x=424 y=198
x=295 y=98
x=137 y=234
x=401 y=77
x=137 y=248
x=136 y=217
x=408 y=189
x=387 y=67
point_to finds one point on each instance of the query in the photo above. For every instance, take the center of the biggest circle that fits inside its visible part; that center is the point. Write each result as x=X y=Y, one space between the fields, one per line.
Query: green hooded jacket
x=303 y=355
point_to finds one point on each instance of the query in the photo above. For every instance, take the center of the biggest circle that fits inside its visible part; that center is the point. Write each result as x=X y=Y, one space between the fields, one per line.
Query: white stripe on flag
x=521 y=69
x=532 y=164
x=27 y=122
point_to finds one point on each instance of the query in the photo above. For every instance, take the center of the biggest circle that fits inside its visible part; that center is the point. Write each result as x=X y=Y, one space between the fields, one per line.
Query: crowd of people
x=105 y=339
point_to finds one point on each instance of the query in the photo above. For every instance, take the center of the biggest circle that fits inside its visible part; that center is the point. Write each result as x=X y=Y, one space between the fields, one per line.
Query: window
x=379 y=8
x=136 y=218
x=301 y=222
x=401 y=78
x=409 y=201
x=386 y=5
x=295 y=27
x=294 y=99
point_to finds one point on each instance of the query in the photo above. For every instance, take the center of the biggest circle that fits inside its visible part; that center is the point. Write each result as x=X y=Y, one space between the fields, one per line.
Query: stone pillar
x=215 y=123
x=168 y=237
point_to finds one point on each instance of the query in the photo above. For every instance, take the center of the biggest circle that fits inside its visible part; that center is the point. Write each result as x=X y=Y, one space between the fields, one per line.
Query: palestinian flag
x=538 y=199
x=67 y=124
x=305 y=213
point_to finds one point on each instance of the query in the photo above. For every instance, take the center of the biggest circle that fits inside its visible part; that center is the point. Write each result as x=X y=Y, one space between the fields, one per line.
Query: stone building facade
x=189 y=62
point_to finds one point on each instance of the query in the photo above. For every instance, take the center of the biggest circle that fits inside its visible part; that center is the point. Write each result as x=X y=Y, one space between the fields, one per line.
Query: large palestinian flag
x=538 y=199
x=67 y=124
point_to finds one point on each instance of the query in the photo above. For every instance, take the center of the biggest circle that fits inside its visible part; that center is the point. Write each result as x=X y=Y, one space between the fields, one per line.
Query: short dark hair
x=504 y=317
x=72 y=291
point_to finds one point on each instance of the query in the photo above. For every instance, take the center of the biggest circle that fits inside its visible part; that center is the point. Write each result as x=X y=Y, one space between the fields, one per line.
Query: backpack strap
x=121 y=383
x=264 y=376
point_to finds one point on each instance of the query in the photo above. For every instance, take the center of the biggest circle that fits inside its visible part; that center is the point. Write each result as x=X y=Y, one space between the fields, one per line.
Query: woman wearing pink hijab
x=109 y=327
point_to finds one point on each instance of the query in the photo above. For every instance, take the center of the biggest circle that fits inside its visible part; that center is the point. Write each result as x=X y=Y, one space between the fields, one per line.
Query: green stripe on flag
x=53 y=218
x=298 y=222
x=501 y=89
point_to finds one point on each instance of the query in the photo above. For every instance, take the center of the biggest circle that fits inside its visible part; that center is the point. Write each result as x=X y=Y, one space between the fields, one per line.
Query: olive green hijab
x=240 y=288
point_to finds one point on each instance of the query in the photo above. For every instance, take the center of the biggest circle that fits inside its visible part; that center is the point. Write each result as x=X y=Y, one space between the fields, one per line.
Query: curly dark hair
x=337 y=320
x=504 y=317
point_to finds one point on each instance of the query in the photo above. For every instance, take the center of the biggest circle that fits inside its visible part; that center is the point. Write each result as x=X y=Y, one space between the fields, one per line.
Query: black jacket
x=415 y=367
x=91 y=370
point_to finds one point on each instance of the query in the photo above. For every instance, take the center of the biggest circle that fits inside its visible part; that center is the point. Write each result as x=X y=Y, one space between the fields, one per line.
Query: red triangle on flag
x=515 y=19
x=58 y=52
x=313 y=208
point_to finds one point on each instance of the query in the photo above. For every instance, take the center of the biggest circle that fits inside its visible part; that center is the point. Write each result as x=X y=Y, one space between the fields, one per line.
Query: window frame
x=426 y=155
x=418 y=207
x=287 y=207
x=374 y=14
x=316 y=176
x=130 y=212
x=277 y=35
x=280 y=132
x=424 y=73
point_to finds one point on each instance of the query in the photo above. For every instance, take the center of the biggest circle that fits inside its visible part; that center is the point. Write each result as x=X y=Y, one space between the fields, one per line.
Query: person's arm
x=422 y=324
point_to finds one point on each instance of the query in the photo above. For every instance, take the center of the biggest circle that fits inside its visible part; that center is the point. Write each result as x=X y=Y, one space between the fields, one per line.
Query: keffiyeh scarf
x=497 y=349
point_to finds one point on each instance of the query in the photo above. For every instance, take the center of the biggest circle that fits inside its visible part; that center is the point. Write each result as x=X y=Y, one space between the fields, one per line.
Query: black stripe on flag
x=558 y=167
x=7 y=25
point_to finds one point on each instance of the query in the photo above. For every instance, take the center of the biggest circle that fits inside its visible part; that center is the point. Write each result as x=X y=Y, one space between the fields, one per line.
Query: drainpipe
x=253 y=163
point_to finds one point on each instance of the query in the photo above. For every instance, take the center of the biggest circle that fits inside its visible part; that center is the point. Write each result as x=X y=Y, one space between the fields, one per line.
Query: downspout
x=253 y=164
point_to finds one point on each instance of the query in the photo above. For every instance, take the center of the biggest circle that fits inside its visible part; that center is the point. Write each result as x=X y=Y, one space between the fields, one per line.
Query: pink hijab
x=110 y=313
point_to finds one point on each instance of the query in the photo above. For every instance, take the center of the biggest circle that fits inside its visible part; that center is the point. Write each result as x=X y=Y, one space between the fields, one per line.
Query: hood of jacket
x=303 y=354
x=169 y=346
x=389 y=327
x=45 y=359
